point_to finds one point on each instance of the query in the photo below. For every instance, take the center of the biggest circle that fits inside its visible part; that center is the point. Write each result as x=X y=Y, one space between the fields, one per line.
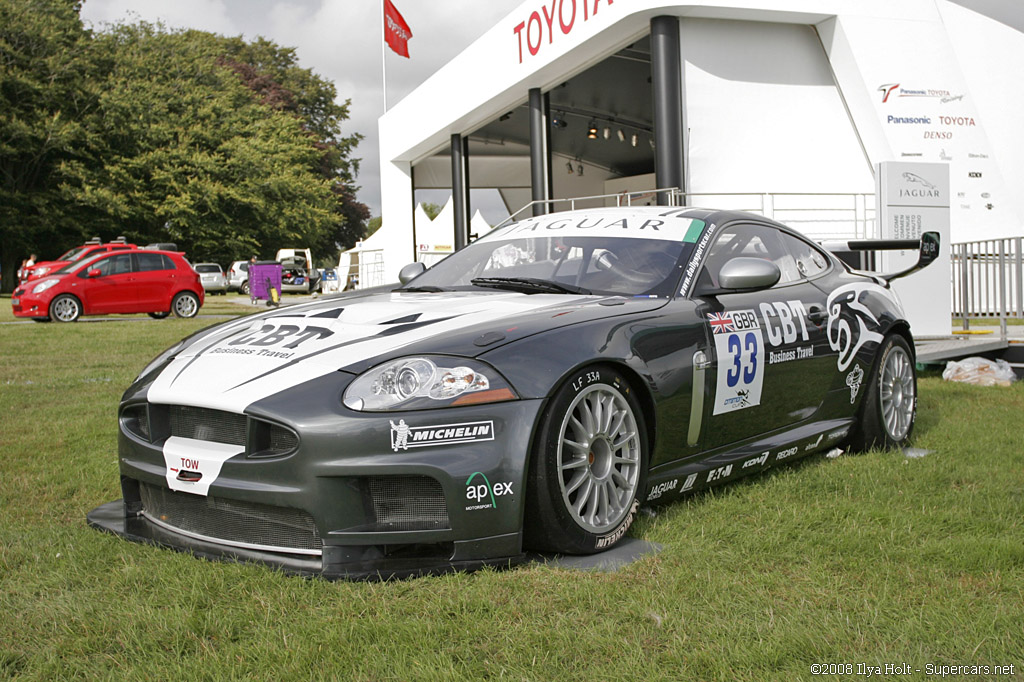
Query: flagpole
x=383 y=55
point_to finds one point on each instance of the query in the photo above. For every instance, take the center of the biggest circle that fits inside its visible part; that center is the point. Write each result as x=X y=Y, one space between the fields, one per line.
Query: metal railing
x=987 y=280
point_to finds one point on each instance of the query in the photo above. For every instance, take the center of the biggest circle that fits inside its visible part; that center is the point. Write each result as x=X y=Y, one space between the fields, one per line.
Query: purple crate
x=262 y=276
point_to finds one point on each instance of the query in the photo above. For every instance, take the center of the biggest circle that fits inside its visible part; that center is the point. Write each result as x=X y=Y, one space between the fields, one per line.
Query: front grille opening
x=135 y=420
x=232 y=522
x=402 y=503
x=201 y=423
x=271 y=440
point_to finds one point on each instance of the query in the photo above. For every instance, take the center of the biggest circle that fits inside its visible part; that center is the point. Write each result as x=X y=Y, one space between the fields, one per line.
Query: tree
x=432 y=210
x=188 y=155
x=43 y=95
x=273 y=76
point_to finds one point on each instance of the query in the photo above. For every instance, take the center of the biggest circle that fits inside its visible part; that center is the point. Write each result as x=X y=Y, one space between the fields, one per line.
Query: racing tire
x=159 y=316
x=65 y=308
x=588 y=466
x=185 y=304
x=890 y=403
x=243 y=288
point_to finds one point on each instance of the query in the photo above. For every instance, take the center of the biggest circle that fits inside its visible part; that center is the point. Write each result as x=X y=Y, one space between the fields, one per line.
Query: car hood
x=249 y=359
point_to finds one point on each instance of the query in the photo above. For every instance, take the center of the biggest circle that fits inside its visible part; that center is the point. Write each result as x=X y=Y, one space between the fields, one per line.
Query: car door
x=770 y=366
x=110 y=288
x=154 y=278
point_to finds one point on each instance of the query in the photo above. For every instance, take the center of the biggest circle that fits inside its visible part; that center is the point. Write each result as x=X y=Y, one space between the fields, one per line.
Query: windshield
x=73 y=254
x=78 y=264
x=601 y=253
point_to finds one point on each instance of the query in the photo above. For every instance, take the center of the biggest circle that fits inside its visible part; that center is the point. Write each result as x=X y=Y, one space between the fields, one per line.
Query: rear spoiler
x=927 y=246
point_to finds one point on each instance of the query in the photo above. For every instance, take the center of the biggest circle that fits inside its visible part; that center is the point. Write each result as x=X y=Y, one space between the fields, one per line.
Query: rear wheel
x=244 y=288
x=588 y=467
x=65 y=308
x=185 y=304
x=890 y=404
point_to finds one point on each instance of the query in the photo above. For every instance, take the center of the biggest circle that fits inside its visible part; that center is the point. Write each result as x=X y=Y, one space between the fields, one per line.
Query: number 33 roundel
x=740 y=350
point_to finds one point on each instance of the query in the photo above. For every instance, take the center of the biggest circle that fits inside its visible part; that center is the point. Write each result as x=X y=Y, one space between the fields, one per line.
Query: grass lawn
x=874 y=559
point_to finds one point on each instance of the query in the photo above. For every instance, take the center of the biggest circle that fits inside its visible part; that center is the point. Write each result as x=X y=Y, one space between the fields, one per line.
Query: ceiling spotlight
x=607 y=132
x=579 y=169
x=506 y=116
x=592 y=130
x=633 y=140
x=568 y=167
x=622 y=135
x=558 y=122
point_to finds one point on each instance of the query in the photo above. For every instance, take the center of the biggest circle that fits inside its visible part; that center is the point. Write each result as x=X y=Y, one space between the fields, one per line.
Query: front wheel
x=890 y=404
x=588 y=467
x=65 y=308
x=185 y=304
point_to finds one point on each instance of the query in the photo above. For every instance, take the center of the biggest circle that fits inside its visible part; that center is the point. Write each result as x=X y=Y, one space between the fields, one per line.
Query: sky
x=339 y=40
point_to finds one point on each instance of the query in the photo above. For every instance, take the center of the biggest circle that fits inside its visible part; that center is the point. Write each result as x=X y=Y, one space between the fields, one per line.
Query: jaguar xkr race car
x=528 y=392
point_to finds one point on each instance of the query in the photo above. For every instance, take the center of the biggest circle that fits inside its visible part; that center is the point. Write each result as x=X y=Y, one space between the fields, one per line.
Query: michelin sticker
x=404 y=436
x=854 y=379
x=739 y=346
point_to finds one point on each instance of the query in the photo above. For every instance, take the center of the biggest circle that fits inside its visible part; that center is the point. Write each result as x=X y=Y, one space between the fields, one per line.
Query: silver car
x=212 y=278
x=238 y=276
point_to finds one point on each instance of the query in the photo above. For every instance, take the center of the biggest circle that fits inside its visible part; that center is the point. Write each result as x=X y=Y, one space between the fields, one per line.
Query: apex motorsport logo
x=483 y=493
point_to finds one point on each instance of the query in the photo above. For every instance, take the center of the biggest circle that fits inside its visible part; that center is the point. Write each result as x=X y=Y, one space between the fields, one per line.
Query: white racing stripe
x=254 y=359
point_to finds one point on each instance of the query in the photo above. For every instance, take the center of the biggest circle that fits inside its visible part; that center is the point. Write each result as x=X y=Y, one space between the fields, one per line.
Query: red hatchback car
x=136 y=281
x=90 y=248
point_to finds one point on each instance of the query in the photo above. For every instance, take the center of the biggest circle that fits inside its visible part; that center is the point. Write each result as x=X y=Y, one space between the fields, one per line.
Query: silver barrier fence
x=987 y=281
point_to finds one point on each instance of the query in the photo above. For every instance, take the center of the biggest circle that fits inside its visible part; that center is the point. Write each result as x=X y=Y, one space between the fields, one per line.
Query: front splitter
x=110 y=518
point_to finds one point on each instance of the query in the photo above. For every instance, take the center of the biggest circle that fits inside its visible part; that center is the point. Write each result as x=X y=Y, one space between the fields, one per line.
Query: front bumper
x=352 y=499
x=28 y=305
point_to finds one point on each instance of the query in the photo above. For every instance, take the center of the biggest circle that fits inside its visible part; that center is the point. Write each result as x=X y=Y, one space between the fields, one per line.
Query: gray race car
x=528 y=392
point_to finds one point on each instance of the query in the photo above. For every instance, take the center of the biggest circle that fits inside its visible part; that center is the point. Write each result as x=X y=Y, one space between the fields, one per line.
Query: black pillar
x=460 y=188
x=540 y=150
x=667 y=83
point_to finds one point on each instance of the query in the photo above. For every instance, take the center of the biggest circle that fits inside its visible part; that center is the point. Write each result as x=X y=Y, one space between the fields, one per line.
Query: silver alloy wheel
x=599 y=458
x=185 y=305
x=65 y=309
x=896 y=393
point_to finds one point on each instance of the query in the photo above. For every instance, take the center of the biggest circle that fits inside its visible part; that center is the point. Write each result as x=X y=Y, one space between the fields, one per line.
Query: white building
x=777 y=106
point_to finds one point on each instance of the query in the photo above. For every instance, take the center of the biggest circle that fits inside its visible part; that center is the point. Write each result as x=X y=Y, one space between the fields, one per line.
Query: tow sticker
x=192 y=465
x=739 y=347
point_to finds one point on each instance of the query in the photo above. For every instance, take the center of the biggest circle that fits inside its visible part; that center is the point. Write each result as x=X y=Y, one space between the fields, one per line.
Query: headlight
x=423 y=383
x=39 y=272
x=43 y=286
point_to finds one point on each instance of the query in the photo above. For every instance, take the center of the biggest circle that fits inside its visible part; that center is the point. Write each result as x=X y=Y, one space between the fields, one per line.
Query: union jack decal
x=721 y=323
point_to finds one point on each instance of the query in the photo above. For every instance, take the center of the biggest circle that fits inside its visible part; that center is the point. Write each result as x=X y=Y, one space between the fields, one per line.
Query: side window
x=749 y=241
x=153 y=261
x=810 y=262
x=114 y=265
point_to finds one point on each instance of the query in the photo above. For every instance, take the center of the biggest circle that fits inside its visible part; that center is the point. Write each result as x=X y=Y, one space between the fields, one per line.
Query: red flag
x=396 y=31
